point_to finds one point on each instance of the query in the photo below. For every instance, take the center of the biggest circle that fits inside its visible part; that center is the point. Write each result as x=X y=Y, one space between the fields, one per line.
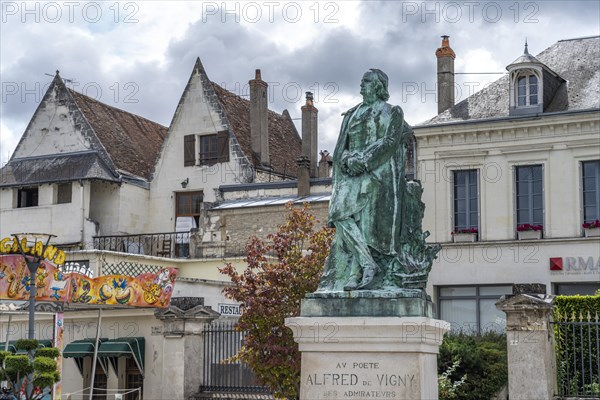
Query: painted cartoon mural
x=145 y=290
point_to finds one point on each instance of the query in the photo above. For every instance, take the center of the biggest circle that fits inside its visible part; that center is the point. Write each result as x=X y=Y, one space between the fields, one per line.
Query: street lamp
x=33 y=259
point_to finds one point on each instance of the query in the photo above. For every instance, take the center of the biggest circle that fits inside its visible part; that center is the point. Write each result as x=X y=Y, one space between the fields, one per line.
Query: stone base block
x=371 y=358
x=364 y=303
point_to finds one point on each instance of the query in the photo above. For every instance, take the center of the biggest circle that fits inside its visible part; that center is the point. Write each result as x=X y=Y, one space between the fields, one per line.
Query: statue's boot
x=368 y=276
x=352 y=283
x=354 y=278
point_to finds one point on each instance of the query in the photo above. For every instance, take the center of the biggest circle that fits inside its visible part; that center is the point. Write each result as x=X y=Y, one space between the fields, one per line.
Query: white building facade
x=511 y=176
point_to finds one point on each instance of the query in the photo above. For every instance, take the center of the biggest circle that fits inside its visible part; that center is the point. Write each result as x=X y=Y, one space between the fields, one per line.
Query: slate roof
x=56 y=168
x=133 y=142
x=285 y=145
x=575 y=60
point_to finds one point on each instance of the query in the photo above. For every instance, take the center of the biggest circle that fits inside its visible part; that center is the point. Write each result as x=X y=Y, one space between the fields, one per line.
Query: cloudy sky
x=138 y=55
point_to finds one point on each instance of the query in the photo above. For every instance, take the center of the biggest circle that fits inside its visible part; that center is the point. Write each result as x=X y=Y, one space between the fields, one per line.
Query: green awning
x=42 y=343
x=81 y=348
x=78 y=349
x=11 y=346
x=125 y=347
x=13 y=349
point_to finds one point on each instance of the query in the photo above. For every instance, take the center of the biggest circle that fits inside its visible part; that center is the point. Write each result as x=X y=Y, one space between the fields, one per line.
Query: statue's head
x=375 y=83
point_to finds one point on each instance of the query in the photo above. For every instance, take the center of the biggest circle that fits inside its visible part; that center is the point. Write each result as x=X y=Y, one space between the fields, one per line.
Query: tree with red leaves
x=280 y=272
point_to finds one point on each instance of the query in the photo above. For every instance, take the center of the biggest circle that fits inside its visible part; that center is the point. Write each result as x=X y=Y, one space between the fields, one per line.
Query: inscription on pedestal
x=359 y=376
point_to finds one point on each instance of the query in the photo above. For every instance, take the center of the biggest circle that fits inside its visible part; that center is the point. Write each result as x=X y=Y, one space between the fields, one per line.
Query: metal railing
x=578 y=356
x=222 y=375
x=171 y=245
x=167 y=244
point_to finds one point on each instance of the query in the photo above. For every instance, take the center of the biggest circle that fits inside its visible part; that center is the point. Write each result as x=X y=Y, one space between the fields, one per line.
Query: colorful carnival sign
x=145 y=290
x=49 y=253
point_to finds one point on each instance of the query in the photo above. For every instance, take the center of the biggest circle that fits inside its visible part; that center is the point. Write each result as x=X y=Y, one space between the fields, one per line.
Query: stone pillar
x=368 y=357
x=531 y=348
x=183 y=346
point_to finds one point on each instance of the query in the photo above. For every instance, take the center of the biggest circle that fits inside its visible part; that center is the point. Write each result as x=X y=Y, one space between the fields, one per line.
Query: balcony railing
x=167 y=244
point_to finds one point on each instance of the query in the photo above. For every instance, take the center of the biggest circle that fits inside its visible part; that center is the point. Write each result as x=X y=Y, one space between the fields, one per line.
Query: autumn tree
x=280 y=272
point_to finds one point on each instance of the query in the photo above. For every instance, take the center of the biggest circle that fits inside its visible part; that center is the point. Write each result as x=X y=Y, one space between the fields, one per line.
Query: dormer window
x=532 y=85
x=527 y=91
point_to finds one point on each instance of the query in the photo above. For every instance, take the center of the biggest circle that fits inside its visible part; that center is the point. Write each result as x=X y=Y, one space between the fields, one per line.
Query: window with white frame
x=527 y=90
x=529 y=195
x=466 y=201
x=591 y=190
x=471 y=309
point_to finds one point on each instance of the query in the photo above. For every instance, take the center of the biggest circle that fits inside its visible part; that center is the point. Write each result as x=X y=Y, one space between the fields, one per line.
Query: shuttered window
x=189 y=150
x=212 y=149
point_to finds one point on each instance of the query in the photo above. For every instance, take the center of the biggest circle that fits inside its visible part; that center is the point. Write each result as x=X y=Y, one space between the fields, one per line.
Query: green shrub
x=44 y=364
x=18 y=363
x=51 y=352
x=27 y=344
x=481 y=358
x=3 y=355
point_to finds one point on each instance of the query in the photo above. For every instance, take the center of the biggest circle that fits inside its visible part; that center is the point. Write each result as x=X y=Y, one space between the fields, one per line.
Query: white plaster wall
x=119 y=209
x=51 y=131
x=195 y=115
x=66 y=221
x=495 y=149
x=505 y=263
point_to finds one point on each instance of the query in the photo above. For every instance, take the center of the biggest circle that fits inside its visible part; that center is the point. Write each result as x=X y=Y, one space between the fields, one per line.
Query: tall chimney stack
x=309 y=133
x=259 y=130
x=445 y=75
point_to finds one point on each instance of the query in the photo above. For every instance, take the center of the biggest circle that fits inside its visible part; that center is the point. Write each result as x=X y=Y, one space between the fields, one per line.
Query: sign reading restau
x=230 y=309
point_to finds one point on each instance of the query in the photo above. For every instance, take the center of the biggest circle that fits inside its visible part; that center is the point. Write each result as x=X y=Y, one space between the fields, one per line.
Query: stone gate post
x=530 y=343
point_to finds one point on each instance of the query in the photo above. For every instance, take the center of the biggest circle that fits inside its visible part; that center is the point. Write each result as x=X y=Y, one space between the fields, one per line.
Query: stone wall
x=238 y=225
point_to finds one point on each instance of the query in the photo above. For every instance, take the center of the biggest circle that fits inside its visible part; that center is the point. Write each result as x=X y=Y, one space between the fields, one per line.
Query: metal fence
x=222 y=375
x=578 y=356
x=167 y=244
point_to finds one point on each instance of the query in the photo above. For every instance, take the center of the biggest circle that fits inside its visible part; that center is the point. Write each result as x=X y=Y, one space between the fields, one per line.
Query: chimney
x=303 y=176
x=309 y=133
x=325 y=164
x=259 y=131
x=445 y=75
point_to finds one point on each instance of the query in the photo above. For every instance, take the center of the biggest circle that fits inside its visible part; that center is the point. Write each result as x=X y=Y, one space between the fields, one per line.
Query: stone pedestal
x=530 y=343
x=368 y=357
x=368 y=303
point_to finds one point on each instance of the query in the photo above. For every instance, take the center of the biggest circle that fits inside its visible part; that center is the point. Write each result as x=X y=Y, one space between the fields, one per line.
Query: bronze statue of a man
x=368 y=207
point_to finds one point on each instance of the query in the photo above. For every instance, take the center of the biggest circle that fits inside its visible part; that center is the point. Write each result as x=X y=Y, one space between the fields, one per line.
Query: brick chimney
x=259 y=130
x=310 y=116
x=445 y=75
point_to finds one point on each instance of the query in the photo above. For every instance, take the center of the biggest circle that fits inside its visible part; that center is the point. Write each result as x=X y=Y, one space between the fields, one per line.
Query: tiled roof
x=574 y=60
x=133 y=142
x=285 y=145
